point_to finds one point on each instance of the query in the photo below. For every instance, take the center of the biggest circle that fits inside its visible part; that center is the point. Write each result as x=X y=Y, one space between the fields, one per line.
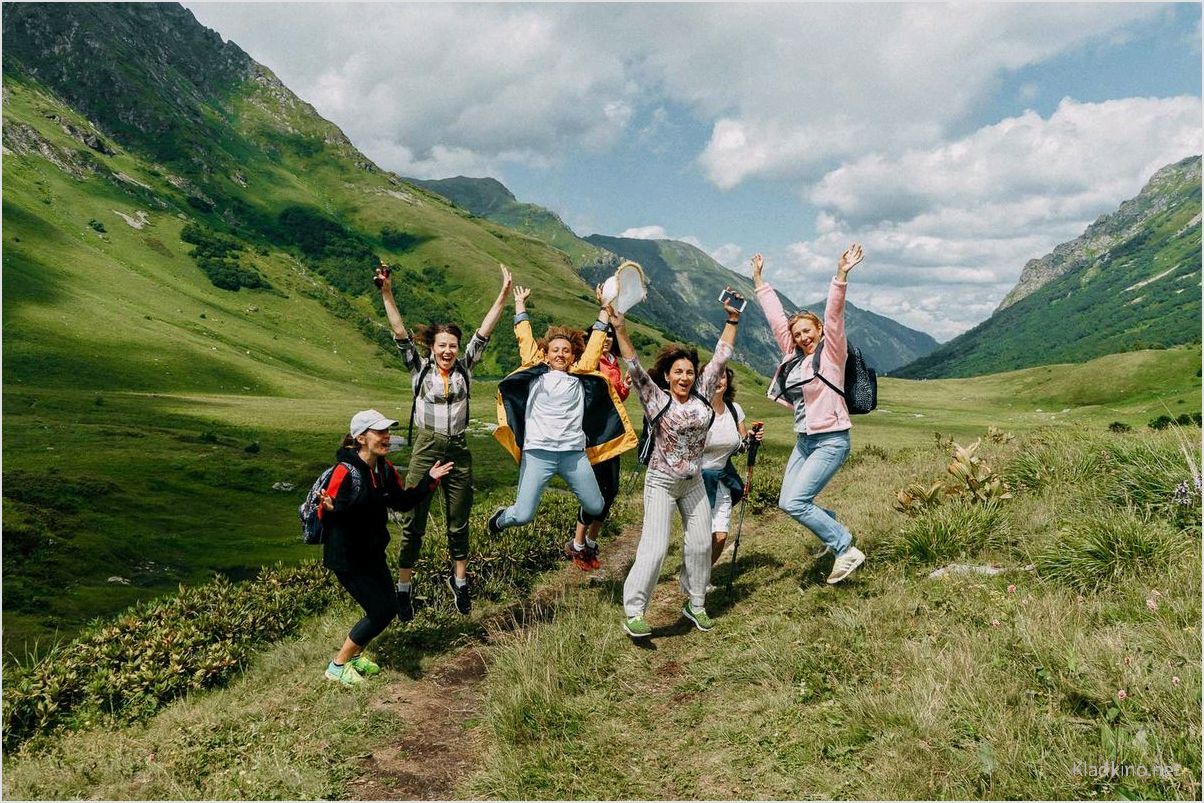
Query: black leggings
x=607 y=473
x=372 y=587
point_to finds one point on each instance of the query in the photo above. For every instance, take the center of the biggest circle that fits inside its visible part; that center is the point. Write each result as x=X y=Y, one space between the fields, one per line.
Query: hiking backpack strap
x=815 y=367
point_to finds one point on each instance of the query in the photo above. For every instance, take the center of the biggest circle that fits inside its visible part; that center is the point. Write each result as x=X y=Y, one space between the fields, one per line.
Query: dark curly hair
x=669 y=354
x=425 y=335
x=575 y=338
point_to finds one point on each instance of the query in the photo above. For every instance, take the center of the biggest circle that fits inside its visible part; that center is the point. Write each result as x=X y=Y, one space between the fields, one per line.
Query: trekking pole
x=753 y=446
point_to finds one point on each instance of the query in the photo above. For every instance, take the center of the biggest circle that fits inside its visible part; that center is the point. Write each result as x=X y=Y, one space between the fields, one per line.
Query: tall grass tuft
x=1103 y=545
x=954 y=530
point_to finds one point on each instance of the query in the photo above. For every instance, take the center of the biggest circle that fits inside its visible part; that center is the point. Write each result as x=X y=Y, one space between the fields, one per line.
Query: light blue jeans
x=535 y=471
x=816 y=458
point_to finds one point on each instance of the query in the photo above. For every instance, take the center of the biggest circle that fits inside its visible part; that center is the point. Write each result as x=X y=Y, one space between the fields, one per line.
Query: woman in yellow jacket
x=557 y=414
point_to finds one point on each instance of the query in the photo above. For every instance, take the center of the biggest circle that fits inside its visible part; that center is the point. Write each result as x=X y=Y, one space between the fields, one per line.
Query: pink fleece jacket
x=826 y=409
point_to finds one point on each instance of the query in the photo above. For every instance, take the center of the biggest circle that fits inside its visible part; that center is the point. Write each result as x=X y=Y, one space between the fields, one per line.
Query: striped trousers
x=661 y=494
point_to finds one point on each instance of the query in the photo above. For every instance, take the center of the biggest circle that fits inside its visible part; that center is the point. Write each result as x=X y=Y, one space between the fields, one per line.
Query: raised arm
x=723 y=351
x=771 y=305
x=652 y=398
x=495 y=312
x=528 y=349
x=836 y=347
x=597 y=338
x=385 y=282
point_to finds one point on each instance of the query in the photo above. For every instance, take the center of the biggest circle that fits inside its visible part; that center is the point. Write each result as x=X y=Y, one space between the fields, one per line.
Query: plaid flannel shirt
x=441 y=404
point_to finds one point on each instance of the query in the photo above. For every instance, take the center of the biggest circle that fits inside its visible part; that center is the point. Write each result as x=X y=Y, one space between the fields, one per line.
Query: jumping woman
x=441 y=383
x=557 y=415
x=821 y=417
x=726 y=437
x=680 y=409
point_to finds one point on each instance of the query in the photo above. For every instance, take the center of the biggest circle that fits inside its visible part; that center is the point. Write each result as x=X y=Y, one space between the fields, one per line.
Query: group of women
x=561 y=413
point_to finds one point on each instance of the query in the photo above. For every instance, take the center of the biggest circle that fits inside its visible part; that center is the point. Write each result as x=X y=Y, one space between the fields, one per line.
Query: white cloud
x=730 y=256
x=959 y=221
x=786 y=88
x=645 y=233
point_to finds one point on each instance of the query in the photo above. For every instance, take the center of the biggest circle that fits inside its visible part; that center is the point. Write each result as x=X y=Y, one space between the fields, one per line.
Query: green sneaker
x=364 y=666
x=636 y=627
x=698 y=616
x=347 y=674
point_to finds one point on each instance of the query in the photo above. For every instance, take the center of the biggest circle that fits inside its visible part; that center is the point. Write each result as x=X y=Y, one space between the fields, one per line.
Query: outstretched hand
x=382 y=279
x=848 y=260
x=758 y=265
x=441 y=469
x=507 y=279
x=521 y=293
x=617 y=319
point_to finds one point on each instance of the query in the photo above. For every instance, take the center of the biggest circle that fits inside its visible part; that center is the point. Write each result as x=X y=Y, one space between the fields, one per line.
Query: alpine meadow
x=190 y=319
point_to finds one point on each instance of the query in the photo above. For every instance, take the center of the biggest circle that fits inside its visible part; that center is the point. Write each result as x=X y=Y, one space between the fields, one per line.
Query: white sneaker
x=845 y=564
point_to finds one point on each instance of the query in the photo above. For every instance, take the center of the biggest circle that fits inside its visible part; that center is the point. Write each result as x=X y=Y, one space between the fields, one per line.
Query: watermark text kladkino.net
x=1111 y=769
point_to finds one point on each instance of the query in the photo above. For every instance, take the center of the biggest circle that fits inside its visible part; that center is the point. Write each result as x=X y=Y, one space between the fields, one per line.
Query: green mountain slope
x=685 y=279
x=1131 y=281
x=489 y=198
x=189 y=318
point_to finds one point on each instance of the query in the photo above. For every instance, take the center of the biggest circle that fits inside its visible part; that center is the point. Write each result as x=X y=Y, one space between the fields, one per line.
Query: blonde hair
x=804 y=314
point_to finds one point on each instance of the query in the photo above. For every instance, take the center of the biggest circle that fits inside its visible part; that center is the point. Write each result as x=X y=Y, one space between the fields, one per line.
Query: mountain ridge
x=1130 y=281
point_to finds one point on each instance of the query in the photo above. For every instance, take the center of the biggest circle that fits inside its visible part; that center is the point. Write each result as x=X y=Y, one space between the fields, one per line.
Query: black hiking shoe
x=460 y=593
x=492 y=525
x=405 y=606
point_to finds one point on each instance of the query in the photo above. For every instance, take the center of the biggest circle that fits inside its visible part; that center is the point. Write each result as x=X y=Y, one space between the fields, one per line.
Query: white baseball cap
x=365 y=420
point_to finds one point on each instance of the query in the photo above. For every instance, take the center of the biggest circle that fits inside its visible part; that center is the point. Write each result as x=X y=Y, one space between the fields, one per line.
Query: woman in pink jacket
x=821 y=418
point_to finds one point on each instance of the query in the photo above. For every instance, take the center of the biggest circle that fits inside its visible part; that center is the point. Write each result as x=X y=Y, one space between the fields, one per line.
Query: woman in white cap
x=354 y=503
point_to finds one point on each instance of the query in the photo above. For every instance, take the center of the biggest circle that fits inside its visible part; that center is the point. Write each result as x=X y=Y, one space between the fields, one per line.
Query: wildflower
x=994 y=623
x=1128 y=660
x=1012 y=588
x=1080 y=599
x=1175 y=681
x=1183 y=494
x=1152 y=604
x=1122 y=694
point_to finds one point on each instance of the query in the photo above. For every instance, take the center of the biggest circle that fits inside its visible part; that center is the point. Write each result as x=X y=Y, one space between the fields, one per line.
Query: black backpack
x=860 y=391
x=648 y=430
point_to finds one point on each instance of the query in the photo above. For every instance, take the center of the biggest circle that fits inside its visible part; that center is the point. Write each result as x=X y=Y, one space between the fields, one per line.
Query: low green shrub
x=1161 y=422
x=954 y=530
x=159 y=650
x=1101 y=545
x=1119 y=427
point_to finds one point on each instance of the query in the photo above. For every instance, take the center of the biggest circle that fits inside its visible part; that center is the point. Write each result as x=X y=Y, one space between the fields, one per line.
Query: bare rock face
x=1108 y=231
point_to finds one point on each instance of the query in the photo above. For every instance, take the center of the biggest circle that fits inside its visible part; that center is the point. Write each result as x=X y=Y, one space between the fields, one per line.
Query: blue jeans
x=536 y=469
x=816 y=458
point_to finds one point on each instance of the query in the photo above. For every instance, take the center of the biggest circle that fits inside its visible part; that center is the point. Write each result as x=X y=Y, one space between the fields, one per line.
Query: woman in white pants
x=680 y=413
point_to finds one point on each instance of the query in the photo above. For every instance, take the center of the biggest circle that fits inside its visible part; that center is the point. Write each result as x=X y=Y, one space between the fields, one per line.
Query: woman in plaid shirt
x=441 y=383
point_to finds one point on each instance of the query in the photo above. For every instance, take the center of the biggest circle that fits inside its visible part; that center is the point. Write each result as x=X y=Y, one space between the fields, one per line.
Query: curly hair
x=575 y=338
x=425 y=335
x=669 y=354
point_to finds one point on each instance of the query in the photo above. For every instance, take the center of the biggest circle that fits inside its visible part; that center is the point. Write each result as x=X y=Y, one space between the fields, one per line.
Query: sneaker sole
x=690 y=616
x=339 y=680
x=834 y=580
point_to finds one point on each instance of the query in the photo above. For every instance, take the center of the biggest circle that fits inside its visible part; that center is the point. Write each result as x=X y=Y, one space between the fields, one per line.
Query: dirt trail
x=436 y=751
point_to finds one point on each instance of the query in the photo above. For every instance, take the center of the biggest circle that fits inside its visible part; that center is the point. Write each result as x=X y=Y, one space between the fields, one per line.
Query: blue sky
x=955 y=141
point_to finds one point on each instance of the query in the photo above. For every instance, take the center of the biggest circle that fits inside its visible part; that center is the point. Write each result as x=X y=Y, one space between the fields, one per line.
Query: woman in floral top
x=680 y=411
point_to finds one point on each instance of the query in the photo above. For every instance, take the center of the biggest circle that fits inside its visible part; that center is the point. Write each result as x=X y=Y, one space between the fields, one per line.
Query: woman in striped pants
x=679 y=411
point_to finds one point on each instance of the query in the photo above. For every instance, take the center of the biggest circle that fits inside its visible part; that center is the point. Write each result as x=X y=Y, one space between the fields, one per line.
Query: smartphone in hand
x=730 y=296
